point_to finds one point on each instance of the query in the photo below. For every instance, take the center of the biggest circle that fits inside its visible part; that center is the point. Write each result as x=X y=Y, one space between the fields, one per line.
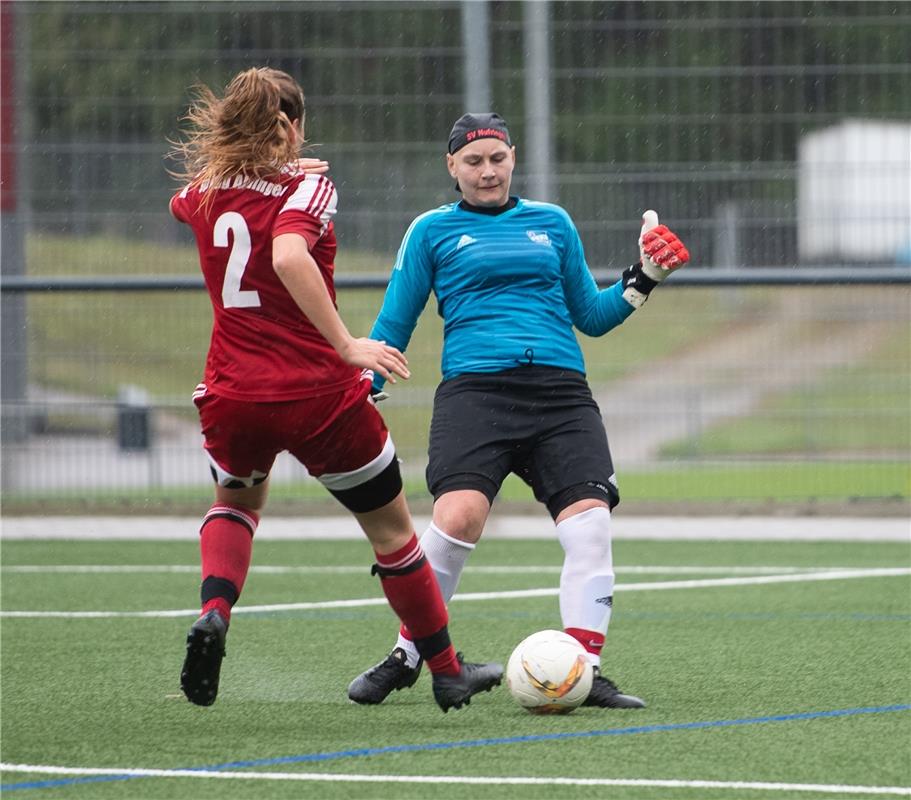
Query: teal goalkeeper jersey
x=509 y=287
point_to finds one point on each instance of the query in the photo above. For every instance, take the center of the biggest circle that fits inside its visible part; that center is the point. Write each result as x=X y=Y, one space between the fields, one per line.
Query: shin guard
x=587 y=580
x=414 y=594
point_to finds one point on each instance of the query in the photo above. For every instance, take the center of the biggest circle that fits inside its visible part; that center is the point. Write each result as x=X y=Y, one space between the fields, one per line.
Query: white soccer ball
x=549 y=673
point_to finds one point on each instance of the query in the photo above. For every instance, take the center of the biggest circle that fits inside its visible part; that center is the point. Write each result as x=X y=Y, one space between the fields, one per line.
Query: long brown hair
x=248 y=131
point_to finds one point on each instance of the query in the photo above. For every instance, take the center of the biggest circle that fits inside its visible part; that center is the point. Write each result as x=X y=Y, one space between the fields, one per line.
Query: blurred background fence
x=775 y=136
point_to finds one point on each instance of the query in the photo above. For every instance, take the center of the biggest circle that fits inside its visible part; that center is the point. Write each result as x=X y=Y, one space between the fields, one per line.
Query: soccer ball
x=549 y=673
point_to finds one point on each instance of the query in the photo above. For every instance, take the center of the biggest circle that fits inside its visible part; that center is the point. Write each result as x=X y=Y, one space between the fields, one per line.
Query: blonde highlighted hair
x=247 y=132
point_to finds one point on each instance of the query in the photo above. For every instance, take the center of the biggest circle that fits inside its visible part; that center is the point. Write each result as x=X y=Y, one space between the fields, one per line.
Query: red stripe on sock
x=593 y=641
x=445 y=663
x=219 y=604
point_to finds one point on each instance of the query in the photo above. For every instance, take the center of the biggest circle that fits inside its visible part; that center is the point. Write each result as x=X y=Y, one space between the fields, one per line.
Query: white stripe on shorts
x=339 y=481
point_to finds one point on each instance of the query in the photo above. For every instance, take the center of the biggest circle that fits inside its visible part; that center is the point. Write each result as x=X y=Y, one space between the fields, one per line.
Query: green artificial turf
x=104 y=692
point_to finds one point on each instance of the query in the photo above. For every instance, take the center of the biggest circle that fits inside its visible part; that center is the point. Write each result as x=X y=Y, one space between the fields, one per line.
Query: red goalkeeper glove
x=661 y=253
x=660 y=249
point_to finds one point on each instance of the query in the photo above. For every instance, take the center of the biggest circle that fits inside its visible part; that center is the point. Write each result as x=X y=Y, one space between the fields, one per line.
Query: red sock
x=415 y=596
x=219 y=604
x=592 y=641
x=226 y=546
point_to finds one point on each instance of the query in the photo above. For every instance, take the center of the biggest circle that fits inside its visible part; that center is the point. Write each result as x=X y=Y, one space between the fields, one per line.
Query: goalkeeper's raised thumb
x=649 y=221
x=649 y=267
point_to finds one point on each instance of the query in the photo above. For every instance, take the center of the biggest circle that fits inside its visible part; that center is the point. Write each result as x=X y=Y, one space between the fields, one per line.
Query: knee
x=464 y=530
x=461 y=515
x=587 y=535
x=579 y=507
x=581 y=497
x=252 y=500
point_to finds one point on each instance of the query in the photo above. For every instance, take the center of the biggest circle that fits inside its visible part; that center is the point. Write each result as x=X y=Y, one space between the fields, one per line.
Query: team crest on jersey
x=539 y=238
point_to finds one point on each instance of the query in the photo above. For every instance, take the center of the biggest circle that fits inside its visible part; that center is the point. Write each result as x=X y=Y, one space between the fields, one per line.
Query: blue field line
x=414 y=748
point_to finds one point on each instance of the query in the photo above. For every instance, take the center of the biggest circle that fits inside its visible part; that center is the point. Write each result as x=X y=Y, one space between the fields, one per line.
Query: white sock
x=447 y=557
x=587 y=580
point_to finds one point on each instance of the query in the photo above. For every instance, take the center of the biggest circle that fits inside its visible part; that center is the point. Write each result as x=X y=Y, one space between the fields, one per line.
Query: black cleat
x=605 y=694
x=205 y=650
x=370 y=688
x=454 y=691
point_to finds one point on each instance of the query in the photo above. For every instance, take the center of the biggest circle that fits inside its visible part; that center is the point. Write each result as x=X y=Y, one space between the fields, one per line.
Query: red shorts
x=340 y=438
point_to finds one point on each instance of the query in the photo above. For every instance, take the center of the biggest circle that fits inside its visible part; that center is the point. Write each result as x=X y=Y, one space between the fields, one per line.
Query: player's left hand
x=660 y=249
x=312 y=166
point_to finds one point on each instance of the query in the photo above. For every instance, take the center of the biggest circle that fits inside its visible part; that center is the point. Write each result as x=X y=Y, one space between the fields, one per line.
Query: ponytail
x=249 y=131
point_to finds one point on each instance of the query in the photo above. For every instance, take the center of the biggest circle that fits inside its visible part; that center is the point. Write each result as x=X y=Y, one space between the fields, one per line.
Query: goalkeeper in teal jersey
x=509 y=287
x=511 y=284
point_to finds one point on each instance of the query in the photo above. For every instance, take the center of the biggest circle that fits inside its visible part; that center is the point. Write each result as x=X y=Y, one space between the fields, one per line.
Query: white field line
x=832 y=575
x=364 y=569
x=463 y=780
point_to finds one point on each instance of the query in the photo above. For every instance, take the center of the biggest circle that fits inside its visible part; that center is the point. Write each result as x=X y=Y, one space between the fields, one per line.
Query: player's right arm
x=407 y=292
x=300 y=275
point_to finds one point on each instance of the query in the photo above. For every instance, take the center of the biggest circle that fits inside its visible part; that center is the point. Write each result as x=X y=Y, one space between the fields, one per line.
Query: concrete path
x=729 y=376
x=885 y=529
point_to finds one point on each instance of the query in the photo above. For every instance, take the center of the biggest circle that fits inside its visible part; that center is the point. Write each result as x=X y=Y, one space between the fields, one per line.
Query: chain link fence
x=771 y=135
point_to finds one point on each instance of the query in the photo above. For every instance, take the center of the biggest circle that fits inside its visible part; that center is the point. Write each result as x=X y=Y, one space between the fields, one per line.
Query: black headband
x=471 y=127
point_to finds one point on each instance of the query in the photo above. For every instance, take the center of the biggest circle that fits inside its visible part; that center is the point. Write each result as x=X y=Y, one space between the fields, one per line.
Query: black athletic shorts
x=541 y=423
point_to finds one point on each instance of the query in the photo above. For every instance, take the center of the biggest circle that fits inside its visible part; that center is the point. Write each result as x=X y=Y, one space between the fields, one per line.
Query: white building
x=854 y=193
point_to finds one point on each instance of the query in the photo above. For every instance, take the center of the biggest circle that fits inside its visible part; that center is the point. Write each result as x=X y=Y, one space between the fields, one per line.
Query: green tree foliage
x=115 y=71
x=718 y=91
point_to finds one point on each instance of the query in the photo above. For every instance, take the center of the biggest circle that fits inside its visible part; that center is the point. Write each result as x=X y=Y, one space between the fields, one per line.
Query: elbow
x=595 y=327
x=289 y=255
x=282 y=266
x=589 y=326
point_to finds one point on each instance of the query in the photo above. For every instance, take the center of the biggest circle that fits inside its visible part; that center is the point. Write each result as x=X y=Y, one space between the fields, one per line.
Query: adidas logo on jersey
x=539 y=238
x=465 y=240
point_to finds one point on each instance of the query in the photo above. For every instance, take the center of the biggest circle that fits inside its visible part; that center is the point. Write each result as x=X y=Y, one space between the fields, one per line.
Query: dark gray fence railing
x=753 y=276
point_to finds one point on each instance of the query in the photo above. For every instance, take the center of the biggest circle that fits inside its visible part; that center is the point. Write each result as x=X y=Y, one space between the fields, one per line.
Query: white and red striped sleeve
x=309 y=209
x=178 y=205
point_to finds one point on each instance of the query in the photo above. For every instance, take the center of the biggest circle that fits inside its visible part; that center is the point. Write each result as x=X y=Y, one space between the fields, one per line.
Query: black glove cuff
x=635 y=278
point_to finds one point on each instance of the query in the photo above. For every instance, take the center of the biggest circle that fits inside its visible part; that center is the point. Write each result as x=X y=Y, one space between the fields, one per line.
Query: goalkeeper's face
x=483 y=171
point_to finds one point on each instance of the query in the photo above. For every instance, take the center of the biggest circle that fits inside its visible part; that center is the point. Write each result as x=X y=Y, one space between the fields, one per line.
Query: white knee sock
x=587 y=580
x=447 y=557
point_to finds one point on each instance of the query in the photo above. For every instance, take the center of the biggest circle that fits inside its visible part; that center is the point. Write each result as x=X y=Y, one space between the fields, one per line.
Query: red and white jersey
x=263 y=347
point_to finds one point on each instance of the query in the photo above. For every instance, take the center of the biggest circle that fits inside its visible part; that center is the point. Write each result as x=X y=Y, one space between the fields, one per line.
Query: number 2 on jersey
x=231 y=294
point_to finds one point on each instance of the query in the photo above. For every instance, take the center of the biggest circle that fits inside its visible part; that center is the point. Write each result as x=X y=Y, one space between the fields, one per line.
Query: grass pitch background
x=838 y=432
x=104 y=692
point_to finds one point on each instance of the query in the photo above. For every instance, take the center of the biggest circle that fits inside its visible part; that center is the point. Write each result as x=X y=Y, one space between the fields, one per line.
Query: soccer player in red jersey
x=284 y=373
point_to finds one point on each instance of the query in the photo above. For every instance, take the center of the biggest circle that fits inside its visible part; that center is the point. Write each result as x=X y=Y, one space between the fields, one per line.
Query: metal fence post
x=476 y=55
x=538 y=111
